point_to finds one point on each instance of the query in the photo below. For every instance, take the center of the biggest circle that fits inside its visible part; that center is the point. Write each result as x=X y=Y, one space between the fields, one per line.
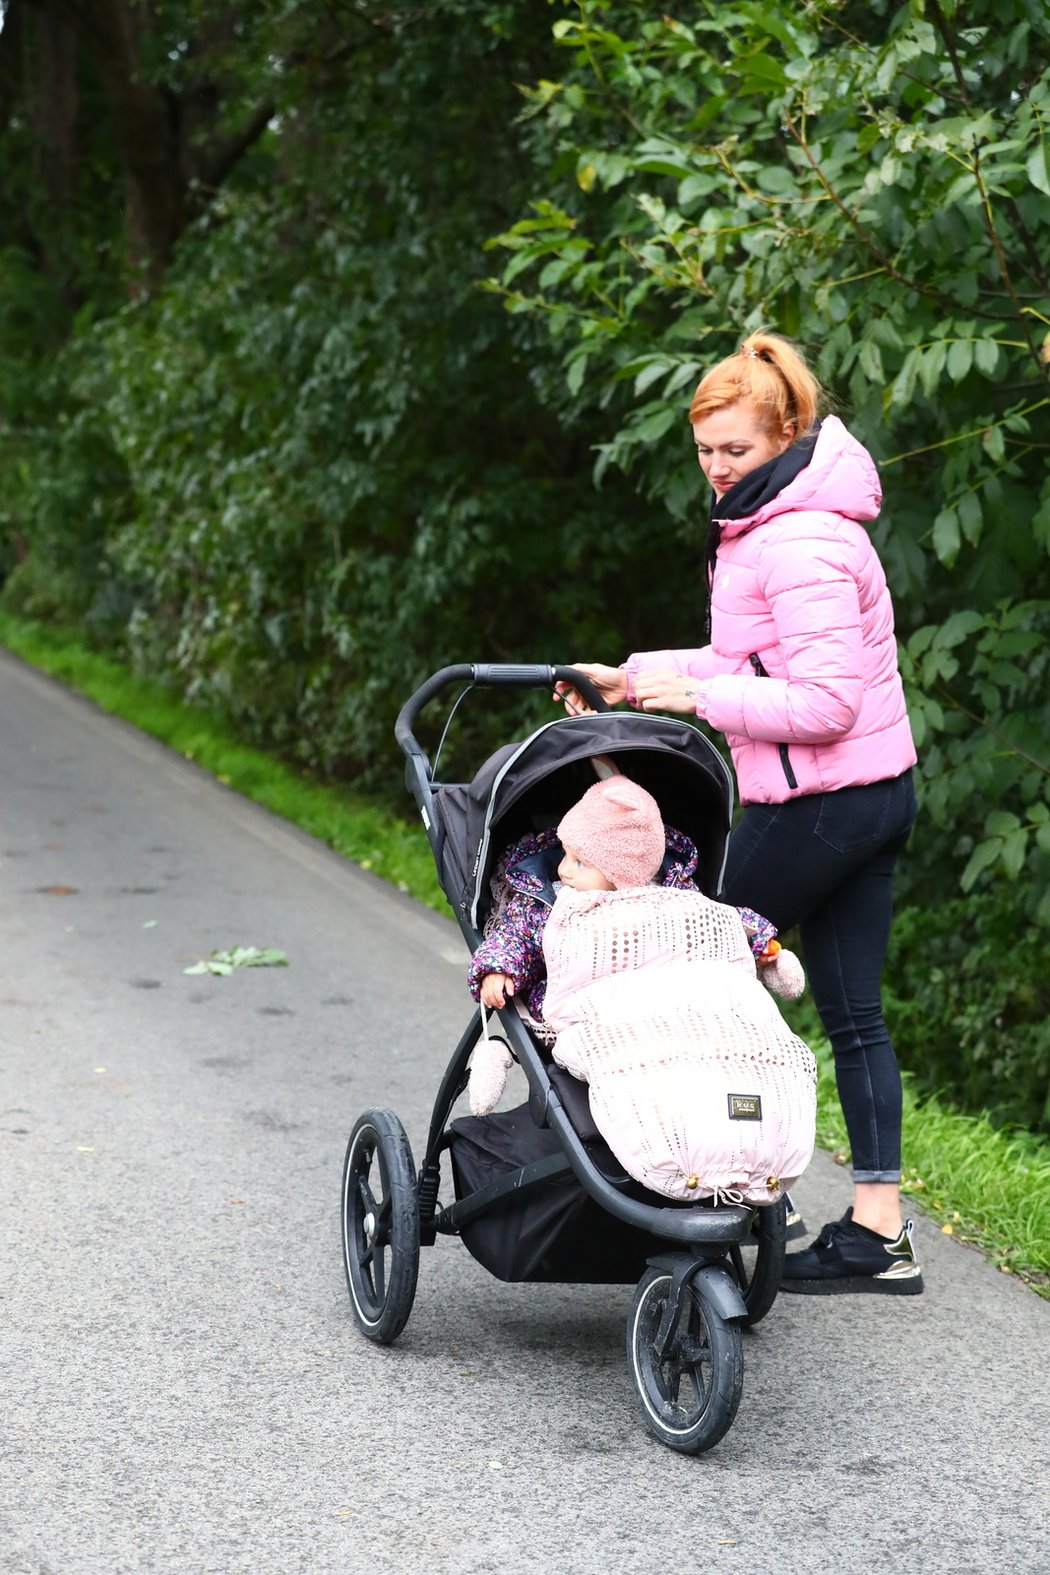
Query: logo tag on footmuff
x=745 y=1107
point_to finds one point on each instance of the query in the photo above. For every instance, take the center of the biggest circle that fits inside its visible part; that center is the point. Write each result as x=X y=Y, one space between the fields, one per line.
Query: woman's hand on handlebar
x=660 y=689
x=611 y=683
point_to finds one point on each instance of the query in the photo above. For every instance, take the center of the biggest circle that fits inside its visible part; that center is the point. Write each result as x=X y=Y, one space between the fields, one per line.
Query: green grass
x=985 y=1186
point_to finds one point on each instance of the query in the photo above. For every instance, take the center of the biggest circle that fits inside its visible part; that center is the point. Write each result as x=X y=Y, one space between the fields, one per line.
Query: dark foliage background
x=343 y=341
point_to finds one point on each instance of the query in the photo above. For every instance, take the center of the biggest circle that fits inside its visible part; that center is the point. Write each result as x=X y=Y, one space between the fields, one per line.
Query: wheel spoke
x=694 y=1350
x=700 y=1389
x=364 y=1192
x=383 y=1214
x=671 y=1378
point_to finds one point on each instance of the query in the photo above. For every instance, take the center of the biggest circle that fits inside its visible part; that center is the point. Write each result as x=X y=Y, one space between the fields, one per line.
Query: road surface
x=184 y=1391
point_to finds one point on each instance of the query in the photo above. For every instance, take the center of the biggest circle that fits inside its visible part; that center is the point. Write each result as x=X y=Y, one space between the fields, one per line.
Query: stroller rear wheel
x=380 y=1225
x=758 y=1263
x=689 y=1396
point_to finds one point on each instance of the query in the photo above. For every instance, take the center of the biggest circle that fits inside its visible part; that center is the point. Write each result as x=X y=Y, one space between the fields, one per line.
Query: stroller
x=538 y=1194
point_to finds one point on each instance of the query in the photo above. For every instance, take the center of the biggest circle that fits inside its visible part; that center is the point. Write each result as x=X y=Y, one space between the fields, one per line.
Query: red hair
x=767 y=374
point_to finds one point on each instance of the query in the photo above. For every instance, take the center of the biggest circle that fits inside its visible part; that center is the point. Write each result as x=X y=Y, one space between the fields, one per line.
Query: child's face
x=574 y=871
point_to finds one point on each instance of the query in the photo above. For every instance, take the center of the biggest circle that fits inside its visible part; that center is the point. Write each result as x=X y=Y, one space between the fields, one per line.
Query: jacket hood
x=840 y=478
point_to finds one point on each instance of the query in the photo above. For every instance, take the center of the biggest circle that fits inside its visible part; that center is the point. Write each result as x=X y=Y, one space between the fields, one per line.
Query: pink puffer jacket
x=801 y=674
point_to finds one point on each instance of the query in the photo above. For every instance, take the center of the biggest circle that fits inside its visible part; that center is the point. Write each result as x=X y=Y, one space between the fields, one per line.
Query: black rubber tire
x=689 y=1401
x=758 y=1265
x=380 y=1225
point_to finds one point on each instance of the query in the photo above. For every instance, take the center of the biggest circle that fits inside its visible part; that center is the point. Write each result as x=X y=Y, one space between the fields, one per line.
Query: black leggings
x=825 y=863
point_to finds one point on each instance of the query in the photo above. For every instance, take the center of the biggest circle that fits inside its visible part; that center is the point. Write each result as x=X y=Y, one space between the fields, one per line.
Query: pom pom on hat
x=617 y=827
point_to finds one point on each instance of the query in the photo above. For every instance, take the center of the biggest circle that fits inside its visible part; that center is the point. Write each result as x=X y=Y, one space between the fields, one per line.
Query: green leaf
x=921 y=640
x=1041 y=524
x=960 y=359
x=993 y=442
x=694 y=189
x=1038 y=167
x=1014 y=849
x=658 y=367
x=654 y=426
x=946 y=537
x=986 y=354
x=971 y=518
x=663 y=164
x=777 y=180
x=224 y=962
x=870 y=359
x=983 y=855
x=958 y=627
x=931 y=367
x=760 y=72
x=577 y=370
x=903 y=386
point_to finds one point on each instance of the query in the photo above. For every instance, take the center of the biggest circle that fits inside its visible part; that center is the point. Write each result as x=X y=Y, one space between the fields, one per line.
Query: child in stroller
x=644 y=990
x=539 y=1196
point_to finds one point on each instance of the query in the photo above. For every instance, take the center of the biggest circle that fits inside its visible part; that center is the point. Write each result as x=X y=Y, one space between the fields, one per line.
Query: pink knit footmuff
x=696 y=1082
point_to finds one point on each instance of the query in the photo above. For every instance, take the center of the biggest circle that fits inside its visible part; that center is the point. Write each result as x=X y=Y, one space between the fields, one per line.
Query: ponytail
x=769 y=375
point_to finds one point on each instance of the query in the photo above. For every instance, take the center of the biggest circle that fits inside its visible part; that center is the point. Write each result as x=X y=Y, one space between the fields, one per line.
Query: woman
x=801 y=676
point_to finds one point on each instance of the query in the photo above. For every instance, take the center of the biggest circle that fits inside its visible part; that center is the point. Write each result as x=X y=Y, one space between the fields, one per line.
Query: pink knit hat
x=617 y=827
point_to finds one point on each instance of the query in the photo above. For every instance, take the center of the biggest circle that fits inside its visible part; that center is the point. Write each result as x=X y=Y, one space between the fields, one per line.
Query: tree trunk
x=155 y=182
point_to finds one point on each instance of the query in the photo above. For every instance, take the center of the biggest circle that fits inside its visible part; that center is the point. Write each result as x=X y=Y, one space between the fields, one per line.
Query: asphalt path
x=183 y=1388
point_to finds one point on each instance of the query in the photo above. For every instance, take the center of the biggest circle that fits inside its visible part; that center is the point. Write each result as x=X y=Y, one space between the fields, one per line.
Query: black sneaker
x=846 y=1257
x=796 y=1225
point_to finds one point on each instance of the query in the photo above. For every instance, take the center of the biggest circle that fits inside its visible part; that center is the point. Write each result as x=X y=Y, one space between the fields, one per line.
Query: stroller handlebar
x=489 y=675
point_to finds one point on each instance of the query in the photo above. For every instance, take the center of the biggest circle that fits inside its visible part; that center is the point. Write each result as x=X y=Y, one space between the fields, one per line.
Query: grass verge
x=981 y=1184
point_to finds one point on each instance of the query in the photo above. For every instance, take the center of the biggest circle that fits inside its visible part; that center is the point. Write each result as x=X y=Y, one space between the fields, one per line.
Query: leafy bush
x=872 y=180
x=968 y=1004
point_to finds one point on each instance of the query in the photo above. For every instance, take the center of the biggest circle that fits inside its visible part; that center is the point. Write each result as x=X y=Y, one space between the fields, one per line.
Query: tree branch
x=861 y=232
x=228 y=154
x=948 y=39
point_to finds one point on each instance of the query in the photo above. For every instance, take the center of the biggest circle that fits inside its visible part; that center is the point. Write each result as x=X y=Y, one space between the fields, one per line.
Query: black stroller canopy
x=529 y=785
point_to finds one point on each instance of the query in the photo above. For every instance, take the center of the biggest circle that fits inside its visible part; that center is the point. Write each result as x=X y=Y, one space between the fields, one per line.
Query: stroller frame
x=714 y=1268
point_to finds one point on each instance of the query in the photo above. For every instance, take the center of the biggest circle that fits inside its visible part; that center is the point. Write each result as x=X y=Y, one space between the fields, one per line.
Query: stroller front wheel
x=689 y=1396
x=380 y=1225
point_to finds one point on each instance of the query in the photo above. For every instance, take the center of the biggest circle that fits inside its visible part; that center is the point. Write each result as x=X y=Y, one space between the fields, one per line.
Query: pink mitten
x=783 y=976
x=488 y=1075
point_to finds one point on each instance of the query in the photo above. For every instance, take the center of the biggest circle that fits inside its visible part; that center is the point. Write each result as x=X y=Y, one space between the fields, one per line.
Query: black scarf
x=759 y=487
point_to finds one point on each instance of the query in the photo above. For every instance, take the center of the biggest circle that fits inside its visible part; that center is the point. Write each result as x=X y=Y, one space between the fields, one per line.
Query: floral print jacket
x=524 y=891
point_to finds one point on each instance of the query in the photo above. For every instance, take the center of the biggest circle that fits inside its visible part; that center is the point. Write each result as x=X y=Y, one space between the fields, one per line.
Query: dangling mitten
x=488 y=1075
x=783 y=976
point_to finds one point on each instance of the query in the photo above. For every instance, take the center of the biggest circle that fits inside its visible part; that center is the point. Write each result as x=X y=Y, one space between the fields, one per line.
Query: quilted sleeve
x=814 y=694
x=697 y=662
x=514 y=946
